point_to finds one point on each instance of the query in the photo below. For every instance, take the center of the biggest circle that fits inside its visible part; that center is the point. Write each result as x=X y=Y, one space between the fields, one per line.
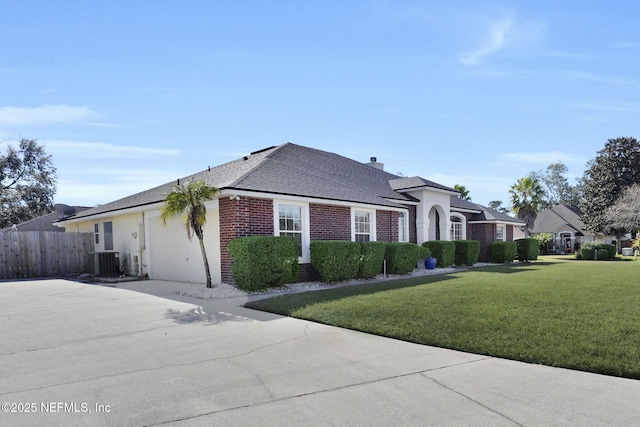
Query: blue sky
x=127 y=95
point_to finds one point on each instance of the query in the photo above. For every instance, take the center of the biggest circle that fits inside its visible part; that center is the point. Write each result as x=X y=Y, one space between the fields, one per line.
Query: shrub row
x=458 y=252
x=600 y=251
x=443 y=251
x=261 y=262
x=338 y=260
x=502 y=252
x=527 y=249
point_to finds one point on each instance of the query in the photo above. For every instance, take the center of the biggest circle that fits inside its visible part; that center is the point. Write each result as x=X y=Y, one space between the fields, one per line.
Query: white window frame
x=96 y=234
x=463 y=226
x=403 y=226
x=372 y=223
x=501 y=229
x=304 y=215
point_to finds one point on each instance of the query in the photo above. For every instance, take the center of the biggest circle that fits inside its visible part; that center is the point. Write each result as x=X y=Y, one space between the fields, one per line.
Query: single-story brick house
x=293 y=190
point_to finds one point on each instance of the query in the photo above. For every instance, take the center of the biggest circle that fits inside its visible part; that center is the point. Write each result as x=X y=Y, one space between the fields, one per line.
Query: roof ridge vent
x=264 y=149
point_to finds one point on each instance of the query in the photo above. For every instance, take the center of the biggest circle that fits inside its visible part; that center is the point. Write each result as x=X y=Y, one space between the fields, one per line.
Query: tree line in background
x=608 y=193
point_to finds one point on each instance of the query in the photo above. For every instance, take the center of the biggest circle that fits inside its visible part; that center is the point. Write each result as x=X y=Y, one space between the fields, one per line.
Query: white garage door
x=173 y=257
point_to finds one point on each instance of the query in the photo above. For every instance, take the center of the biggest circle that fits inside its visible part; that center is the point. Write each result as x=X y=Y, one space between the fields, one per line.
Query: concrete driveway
x=77 y=354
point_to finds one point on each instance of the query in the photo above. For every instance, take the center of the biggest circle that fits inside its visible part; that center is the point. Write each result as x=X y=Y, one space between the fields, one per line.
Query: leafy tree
x=616 y=167
x=464 y=193
x=27 y=183
x=556 y=186
x=497 y=205
x=526 y=199
x=625 y=212
x=190 y=200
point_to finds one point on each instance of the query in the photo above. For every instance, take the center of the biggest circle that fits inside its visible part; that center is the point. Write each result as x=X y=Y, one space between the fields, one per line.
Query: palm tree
x=526 y=199
x=189 y=200
x=464 y=193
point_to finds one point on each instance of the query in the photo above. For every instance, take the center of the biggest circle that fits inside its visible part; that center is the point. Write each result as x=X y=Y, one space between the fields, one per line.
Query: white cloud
x=20 y=116
x=100 y=186
x=105 y=150
x=494 y=40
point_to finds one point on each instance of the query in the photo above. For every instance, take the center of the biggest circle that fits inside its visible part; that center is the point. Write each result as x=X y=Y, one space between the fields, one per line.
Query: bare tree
x=624 y=214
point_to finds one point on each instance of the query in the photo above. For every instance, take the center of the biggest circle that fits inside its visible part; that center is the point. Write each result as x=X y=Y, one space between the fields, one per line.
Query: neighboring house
x=286 y=190
x=45 y=222
x=564 y=223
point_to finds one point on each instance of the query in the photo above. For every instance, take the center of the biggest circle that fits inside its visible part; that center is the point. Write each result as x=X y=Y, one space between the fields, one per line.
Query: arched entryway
x=438 y=229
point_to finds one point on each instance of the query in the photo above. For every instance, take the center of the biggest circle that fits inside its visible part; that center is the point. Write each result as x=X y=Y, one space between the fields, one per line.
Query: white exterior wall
x=126 y=238
x=425 y=218
x=164 y=253
x=170 y=255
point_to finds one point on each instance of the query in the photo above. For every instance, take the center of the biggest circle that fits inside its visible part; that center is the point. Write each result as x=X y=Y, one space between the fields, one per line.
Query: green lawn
x=557 y=311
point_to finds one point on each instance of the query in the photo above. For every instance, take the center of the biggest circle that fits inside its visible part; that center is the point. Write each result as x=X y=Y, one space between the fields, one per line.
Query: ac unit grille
x=104 y=263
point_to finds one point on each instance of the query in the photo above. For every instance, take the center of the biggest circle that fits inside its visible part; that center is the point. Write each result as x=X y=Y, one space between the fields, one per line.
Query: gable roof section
x=415 y=182
x=44 y=222
x=560 y=217
x=288 y=169
x=483 y=213
x=491 y=215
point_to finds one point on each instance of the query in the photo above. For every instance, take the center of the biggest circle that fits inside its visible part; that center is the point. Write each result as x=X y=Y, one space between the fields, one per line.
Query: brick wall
x=485 y=234
x=329 y=222
x=252 y=217
x=386 y=226
x=239 y=218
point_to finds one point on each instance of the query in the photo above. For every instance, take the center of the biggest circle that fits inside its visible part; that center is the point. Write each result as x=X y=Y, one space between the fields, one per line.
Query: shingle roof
x=483 y=213
x=558 y=217
x=411 y=182
x=44 y=222
x=288 y=169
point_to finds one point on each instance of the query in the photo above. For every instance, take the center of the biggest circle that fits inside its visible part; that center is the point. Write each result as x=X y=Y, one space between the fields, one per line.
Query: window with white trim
x=291 y=218
x=456 y=228
x=290 y=223
x=501 y=232
x=363 y=228
x=402 y=227
x=96 y=233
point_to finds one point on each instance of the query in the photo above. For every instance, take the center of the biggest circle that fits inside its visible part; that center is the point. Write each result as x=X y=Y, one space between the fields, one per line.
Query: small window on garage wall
x=108 y=236
x=96 y=233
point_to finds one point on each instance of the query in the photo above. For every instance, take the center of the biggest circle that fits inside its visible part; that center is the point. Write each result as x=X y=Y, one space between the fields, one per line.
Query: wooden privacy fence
x=43 y=253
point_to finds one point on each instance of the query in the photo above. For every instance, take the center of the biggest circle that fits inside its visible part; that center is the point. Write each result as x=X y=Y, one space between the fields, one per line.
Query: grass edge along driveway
x=582 y=315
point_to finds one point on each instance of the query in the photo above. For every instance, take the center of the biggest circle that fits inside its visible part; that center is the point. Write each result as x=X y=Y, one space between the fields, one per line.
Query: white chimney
x=374 y=163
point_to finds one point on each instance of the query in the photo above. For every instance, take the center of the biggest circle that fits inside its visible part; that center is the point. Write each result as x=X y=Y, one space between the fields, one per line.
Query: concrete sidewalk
x=78 y=354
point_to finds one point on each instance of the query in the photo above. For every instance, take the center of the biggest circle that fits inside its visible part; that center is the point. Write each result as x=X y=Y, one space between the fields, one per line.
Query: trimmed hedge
x=335 y=260
x=401 y=257
x=605 y=251
x=443 y=251
x=527 y=249
x=610 y=248
x=503 y=252
x=467 y=252
x=261 y=262
x=371 y=258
